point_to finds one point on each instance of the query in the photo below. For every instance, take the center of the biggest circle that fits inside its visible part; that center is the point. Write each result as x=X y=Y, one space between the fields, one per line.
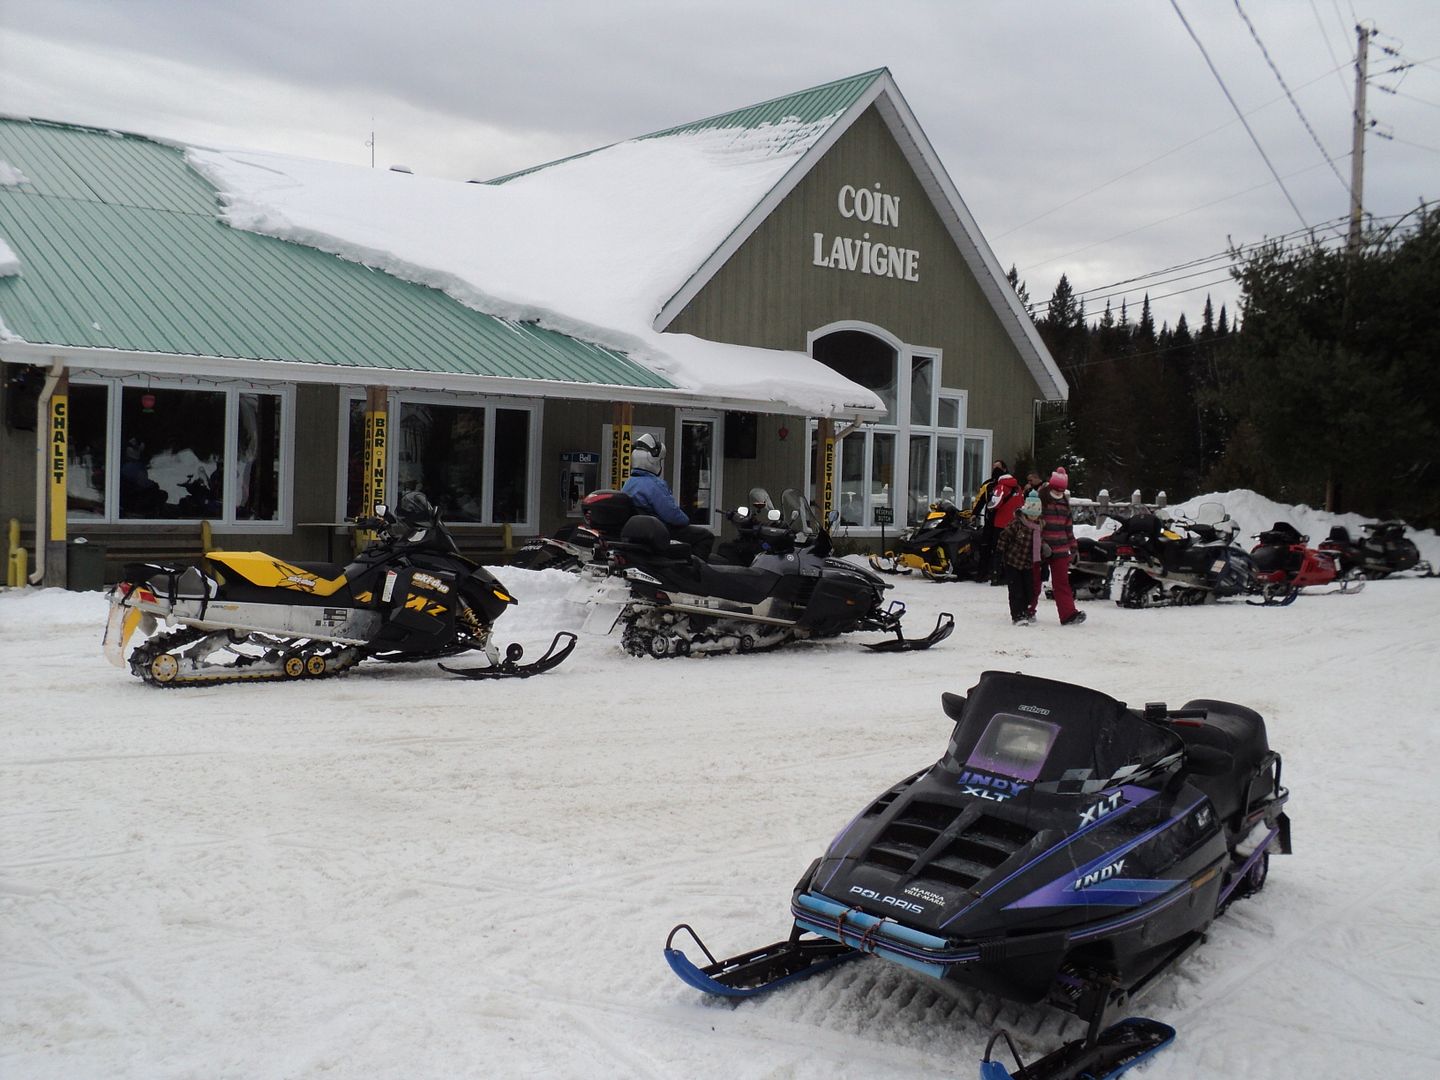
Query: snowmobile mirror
x=772 y=515
x=742 y=513
x=954 y=704
x=381 y=510
x=1208 y=761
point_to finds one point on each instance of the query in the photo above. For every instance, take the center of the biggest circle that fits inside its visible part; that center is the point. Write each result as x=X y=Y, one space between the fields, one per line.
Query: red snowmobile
x=1285 y=564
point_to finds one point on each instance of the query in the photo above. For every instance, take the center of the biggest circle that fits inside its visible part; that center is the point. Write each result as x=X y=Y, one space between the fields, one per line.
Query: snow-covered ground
x=402 y=874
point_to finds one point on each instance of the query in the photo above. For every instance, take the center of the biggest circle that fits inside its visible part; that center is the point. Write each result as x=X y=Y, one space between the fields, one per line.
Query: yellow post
x=15 y=557
x=621 y=434
x=824 y=466
x=56 y=562
x=377 y=441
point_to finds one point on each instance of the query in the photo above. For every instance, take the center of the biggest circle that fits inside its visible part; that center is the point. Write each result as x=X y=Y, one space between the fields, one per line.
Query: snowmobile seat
x=1240 y=733
x=1339 y=535
x=1282 y=532
x=650 y=534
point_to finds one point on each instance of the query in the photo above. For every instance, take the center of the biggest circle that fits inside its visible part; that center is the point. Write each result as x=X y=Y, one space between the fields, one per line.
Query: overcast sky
x=1089 y=138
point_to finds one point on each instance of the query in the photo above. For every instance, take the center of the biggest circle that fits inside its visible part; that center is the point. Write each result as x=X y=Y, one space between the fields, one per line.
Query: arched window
x=890 y=471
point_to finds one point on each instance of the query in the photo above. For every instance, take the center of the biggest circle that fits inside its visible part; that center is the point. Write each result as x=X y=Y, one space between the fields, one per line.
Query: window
x=913 y=455
x=158 y=451
x=696 y=480
x=473 y=458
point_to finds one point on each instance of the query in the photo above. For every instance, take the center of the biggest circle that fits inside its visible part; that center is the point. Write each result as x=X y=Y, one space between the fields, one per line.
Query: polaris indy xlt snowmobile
x=1180 y=561
x=1284 y=564
x=1383 y=549
x=674 y=604
x=248 y=616
x=945 y=546
x=1065 y=849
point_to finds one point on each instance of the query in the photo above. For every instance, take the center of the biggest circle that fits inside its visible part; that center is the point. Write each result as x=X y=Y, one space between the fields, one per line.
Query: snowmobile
x=1065 y=849
x=582 y=546
x=1285 y=564
x=248 y=616
x=1181 y=561
x=1384 y=549
x=946 y=533
x=674 y=604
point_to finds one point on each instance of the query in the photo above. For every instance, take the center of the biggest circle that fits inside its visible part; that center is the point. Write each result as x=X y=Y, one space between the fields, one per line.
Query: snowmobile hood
x=1053 y=806
x=269 y=572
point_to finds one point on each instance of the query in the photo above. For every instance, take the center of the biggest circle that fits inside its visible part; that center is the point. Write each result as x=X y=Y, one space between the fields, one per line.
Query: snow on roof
x=592 y=247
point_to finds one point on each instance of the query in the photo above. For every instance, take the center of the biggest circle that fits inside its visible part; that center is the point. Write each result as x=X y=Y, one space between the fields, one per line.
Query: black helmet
x=415 y=509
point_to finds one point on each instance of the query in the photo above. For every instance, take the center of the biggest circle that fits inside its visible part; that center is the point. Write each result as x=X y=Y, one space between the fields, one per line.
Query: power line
x=1230 y=98
x=1158 y=157
x=1172 y=217
x=1320 y=25
x=1281 y=80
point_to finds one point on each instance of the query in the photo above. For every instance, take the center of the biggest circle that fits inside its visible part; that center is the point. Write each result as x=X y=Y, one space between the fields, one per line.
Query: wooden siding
x=771 y=294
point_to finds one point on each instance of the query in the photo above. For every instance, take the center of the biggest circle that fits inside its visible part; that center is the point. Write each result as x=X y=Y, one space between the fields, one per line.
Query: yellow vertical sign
x=621 y=434
x=827 y=491
x=377 y=438
x=59 y=440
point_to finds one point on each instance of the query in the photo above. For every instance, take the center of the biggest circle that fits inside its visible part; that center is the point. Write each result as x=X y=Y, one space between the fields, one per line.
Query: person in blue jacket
x=652 y=495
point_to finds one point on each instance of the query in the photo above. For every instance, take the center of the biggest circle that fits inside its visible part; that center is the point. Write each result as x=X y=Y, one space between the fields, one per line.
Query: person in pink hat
x=1057 y=536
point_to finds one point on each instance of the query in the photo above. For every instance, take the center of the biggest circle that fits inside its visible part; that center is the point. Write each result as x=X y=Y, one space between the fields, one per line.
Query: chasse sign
x=861 y=254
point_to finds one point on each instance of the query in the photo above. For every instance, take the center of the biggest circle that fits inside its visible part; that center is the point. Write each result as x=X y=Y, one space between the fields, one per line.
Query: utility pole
x=1357 y=138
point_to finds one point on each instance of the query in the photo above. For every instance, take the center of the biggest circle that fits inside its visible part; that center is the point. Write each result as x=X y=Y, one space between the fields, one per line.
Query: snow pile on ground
x=1254 y=513
x=592 y=247
x=399 y=874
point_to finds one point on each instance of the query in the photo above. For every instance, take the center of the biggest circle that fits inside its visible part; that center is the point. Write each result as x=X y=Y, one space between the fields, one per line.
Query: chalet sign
x=867 y=254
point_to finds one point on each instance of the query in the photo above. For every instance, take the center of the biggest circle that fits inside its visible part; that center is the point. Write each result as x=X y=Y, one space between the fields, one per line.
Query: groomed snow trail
x=401 y=874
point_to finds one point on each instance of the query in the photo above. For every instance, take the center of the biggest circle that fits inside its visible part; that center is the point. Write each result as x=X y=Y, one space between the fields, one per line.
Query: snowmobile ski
x=1110 y=1053
x=944 y=626
x=759 y=970
x=511 y=668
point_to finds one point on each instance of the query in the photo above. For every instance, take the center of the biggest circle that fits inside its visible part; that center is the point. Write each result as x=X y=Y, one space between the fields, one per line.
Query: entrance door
x=697 y=468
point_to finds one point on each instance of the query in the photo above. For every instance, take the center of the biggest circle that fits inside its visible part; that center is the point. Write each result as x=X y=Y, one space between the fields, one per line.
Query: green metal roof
x=121 y=248
x=807 y=106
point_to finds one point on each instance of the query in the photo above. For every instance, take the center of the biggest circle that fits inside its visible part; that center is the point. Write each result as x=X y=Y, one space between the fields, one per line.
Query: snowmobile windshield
x=1061 y=738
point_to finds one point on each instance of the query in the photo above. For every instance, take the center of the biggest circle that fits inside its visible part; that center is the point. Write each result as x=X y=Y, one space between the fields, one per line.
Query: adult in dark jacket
x=1057 y=536
x=981 y=510
x=652 y=495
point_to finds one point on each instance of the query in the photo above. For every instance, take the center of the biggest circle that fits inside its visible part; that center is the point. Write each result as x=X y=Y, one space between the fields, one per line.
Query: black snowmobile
x=248 y=616
x=1065 y=849
x=1180 y=561
x=945 y=546
x=1383 y=549
x=674 y=604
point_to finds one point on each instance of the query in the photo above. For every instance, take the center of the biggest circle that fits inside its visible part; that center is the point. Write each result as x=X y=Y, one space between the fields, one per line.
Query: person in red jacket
x=1005 y=499
x=1057 y=536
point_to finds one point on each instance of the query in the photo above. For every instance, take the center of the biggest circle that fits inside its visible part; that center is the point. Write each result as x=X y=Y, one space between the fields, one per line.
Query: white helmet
x=647 y=454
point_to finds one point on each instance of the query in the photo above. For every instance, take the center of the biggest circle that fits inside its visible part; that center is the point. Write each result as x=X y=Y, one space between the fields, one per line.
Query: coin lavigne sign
x=861 y=254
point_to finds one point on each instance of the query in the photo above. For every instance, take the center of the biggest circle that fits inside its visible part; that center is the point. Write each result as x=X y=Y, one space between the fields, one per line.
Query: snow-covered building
x=222 y=331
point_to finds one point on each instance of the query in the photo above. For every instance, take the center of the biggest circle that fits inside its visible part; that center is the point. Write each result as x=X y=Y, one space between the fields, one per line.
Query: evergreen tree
x=1334 y=372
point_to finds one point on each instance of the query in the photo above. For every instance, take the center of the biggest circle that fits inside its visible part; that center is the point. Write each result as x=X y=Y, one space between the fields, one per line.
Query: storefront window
x=976 y=471
x=512 y=465
x=882 y=472
x=172 y=453
x=922 y=390
x=355 y=461
x=947 y=468
x=257 y=457
x=852 y=480
x=442 y=453
x=919 y=474
x=89 y=421
x=697 y=465
x=473 y=462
